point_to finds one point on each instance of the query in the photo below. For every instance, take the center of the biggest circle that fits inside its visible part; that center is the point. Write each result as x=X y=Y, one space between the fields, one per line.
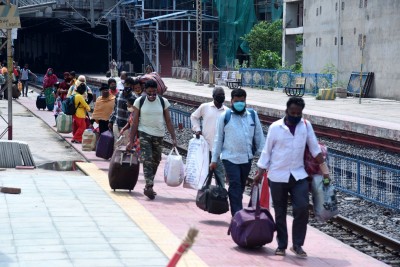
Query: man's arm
x=316 y=152
x=170 y=127
x=113 y=114
x=218 y=141
x=195 y=120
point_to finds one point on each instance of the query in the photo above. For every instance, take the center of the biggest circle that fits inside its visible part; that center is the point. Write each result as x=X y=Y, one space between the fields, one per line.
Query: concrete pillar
x=289 y=52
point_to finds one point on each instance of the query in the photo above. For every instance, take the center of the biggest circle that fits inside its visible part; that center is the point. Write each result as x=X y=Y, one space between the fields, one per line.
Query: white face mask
x=130 y=109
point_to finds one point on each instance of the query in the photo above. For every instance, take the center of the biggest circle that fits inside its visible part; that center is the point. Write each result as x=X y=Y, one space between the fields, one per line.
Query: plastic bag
x=174 y=170
x=197 y=161
x=88 y=140
x=263 y=191
x=324 y=199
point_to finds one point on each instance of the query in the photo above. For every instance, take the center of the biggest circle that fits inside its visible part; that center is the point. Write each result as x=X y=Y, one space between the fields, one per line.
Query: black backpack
x=143 y=98
x=68 y=105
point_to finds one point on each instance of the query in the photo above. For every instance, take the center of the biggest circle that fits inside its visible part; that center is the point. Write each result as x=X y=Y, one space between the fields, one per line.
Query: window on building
x=361 y=4
x=335 y=40
x=319 y=41
x=336 y=6
x=317 y=11
x=364 y=39
x=355 y=30
x=316 y=41
x=365 y=3
x=341 y=40
x=342 y=5
x=320 y=10
x=304 y=12
x=304 y=42
x=359 y=40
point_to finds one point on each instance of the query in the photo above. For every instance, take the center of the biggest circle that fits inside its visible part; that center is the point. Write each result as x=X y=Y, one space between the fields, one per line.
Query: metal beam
x=199 y=14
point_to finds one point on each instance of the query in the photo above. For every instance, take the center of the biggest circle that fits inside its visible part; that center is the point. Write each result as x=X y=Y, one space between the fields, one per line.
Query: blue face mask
x=293 y=120
x=239 y=106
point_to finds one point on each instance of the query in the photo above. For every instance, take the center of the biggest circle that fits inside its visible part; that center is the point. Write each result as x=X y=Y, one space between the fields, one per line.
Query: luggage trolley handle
x=130 y=158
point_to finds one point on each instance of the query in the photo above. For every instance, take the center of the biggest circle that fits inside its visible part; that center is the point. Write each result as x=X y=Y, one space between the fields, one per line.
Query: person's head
x=67 y=76
x=129 y=104
x=81 y=89
x=49 y=71
x=151 y=90
x=105 y=93
x=112 y=84
x=26 y=66
x=238 y=100
x=57 y=85
x=294 y=110
x=72 y=75
x=82 y=78
x=218 y=95
x=129 y=82
x=137 y=87
x=123 y=75
x=149 y=69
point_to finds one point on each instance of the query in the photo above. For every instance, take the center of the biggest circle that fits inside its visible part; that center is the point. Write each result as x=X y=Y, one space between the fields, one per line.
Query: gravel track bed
x=383 y=220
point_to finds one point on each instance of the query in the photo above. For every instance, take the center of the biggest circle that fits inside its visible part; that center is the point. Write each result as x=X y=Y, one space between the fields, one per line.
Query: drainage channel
x=59 y=166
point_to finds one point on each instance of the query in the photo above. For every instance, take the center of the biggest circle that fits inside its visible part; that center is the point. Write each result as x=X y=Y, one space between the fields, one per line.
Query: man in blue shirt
x=236 y=142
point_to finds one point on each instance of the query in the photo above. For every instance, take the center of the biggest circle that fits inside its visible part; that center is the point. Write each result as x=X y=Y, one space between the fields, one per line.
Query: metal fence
x=268 y=78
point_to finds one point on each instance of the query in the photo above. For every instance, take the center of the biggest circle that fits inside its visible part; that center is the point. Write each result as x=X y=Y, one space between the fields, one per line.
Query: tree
x=264 y=36
x=268 y=60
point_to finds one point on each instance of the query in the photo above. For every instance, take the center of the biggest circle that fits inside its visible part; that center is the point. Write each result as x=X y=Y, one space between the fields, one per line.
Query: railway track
x=338 y=134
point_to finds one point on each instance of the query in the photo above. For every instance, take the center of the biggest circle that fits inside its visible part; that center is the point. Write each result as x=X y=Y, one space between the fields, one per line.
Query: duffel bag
x=212 y=198
x=252 y=227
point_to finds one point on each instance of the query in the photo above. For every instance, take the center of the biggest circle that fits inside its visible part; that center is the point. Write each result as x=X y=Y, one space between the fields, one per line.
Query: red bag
x=161 y=88
x=310 y=163
x=264 y=196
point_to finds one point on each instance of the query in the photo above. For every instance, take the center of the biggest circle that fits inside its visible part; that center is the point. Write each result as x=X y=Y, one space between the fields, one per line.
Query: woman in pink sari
x=48 y=87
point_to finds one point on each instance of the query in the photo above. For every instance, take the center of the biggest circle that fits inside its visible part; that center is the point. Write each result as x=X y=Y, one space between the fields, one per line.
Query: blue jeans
x=299 y=193
x=237 y=175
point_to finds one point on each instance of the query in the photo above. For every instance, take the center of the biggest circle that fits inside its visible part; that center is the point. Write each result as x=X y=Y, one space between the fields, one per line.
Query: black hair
x=129 y=81
x=81 y=88
x=135 y=81
x=103 y=87
x=131 y=101
x=73 y=74
x=238 y=93
x=150 y=83
x=298 y=101
x=111 y=81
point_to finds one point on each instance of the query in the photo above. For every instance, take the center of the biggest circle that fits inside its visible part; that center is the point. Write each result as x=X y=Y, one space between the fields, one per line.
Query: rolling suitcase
x=124 y=169
x=105 y=145
x=41 y=102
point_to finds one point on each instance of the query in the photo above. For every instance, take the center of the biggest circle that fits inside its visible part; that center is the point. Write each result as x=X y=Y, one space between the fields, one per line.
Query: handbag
x=252 y=227
x=324 y=199
x=212 y=198
x=310 y=163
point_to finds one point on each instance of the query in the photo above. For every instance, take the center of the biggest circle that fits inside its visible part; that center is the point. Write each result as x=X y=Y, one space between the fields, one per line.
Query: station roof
x=173 y=16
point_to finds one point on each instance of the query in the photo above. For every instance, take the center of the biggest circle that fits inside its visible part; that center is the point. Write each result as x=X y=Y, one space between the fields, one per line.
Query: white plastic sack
x=197 y=162
x=174 y=170
x=324 y=199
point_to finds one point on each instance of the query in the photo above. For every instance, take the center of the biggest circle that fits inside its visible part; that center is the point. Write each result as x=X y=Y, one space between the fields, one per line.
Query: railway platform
x=155 y=226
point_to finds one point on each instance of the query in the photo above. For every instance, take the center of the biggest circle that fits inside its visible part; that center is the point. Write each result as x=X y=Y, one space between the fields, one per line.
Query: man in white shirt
x=283 y=157
x=210 y=112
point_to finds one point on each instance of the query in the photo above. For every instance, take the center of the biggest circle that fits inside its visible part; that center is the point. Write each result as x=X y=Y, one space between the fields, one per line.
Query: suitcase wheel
x=114 y=190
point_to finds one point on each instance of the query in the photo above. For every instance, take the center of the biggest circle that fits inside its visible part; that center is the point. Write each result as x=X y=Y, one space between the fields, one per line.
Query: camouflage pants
x=151 y=148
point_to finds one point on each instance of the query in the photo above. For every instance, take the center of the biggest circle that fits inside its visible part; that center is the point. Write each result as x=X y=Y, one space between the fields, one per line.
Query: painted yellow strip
x=151 y=226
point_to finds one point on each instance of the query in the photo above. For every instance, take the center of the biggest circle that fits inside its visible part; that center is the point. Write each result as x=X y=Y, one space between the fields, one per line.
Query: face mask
x=113 y=87
x=130 y=109
x=239 y=106
x=105 y=94
x=127 y=90
x=219 y=99
x=50 y=73
x=293 y=120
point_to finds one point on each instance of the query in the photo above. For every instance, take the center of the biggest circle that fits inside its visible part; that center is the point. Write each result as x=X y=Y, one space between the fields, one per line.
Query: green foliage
x=237 y=66
x=264 y=36
x=330 y=68
x=268 y=60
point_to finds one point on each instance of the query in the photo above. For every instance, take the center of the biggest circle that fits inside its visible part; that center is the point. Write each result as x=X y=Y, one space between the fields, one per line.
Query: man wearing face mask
x=120 y=114
x=153 y=113
x=283 y=157
x=210 y=112
x=120 y=84
x=236 y=142
x=103 y=108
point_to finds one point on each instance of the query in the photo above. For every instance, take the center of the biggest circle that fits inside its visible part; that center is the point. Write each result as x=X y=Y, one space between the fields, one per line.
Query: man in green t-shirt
x=153 y=112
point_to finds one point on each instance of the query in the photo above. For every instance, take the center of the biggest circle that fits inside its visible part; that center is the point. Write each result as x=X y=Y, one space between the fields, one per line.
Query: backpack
x=143 y=98
x=228 y=115
x=68 y=105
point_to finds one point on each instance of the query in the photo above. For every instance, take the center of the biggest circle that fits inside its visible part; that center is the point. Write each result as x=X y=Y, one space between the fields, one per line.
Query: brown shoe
x=149 y=192
x=299 y=251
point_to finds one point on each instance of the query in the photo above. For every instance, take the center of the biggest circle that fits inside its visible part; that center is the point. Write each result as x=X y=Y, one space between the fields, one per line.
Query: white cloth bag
x=174 y=170
x=197 y=161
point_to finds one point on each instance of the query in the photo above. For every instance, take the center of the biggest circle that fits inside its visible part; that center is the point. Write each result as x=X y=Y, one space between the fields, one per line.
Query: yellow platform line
x=150 y=225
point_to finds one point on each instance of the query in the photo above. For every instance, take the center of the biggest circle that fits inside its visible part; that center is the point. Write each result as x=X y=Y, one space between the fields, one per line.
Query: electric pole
x=199 y=31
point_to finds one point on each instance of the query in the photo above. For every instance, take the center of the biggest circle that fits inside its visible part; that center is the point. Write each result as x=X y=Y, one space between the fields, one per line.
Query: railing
x=180 y=119
x=268 y=78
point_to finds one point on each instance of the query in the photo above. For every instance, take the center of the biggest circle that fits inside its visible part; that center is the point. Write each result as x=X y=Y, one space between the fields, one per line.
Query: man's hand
x=257 y=178
x=327 y=179
x=110 y=126
x=174 y=143
x=122 y=131
x=129 y=146
x=213 y=166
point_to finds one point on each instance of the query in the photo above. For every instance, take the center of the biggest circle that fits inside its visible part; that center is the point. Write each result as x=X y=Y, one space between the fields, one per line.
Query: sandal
x=280 y=252
x=299 y=252
x=149 y=192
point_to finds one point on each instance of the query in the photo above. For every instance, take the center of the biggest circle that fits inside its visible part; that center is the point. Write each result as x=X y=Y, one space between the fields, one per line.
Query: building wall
x=378 y=20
